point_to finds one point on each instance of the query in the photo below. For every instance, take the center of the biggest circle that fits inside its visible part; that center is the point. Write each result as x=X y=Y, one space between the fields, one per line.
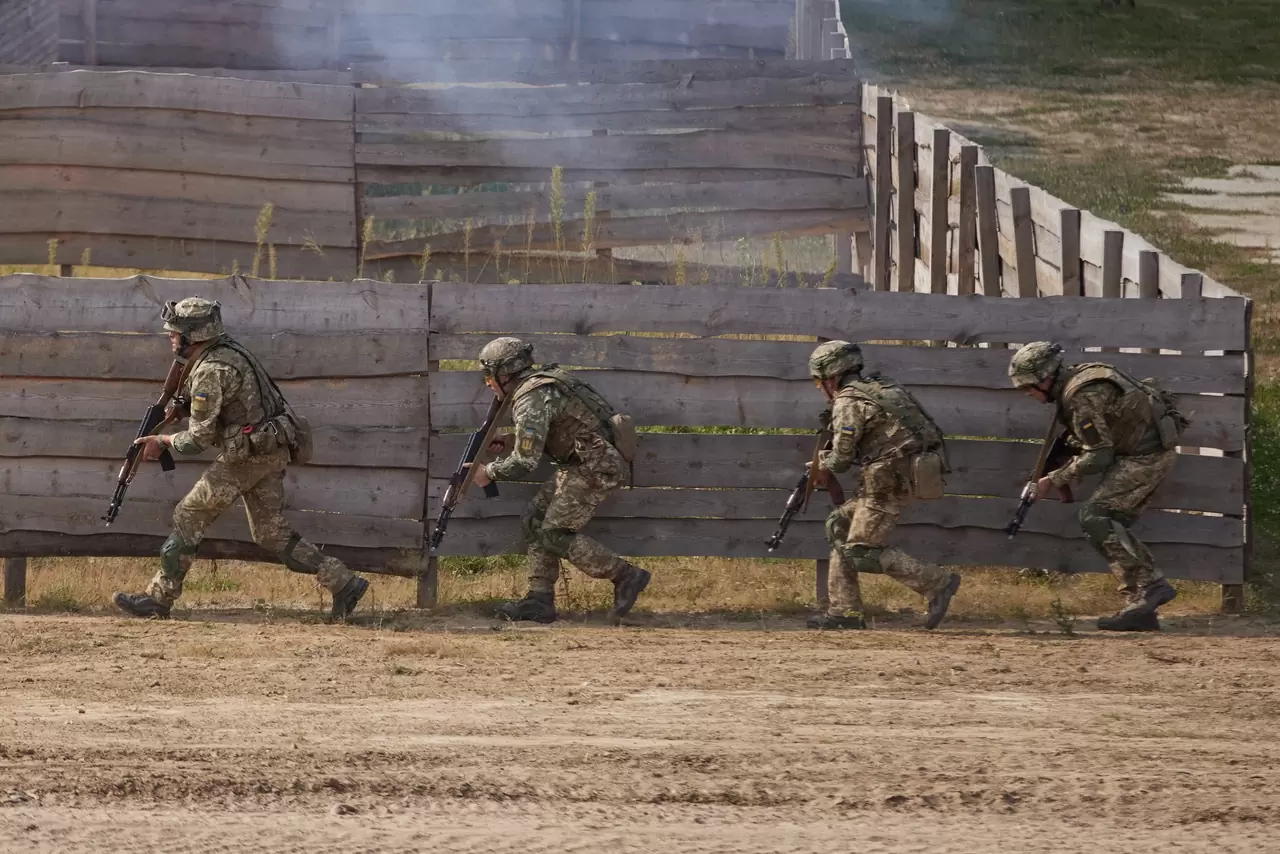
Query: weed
x=260 y=229
x=61 y=597
x=1064 y=617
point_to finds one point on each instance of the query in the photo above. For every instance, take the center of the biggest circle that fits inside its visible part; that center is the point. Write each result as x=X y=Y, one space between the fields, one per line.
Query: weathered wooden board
x=769 y=462
x=701 y=11
x=122 y=144
x=840 y=314
x=591 y=99
x=680 y=228
x=360 y=402
x=471 y=176
x=698 y=150
x=32 y=303
x=405 y=562
x=616 y=70
x=285 y=355
x=280 y=37
x=264 y=57
x=302 y=13
x=28 y=31
x=951 y=546
x=788 y=360
x=357 y=447
x=835 y=122
x=787 y=195
x=148 y=90
x=82 y=516
x=39 y=212
x=382 y=493
x=743 y=33
x=458 y=400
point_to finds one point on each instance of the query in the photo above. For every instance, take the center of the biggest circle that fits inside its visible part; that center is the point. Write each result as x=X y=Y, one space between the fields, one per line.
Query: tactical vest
x=586 y=413
x=1142 y=419
x=267 y=418
x=908 y=429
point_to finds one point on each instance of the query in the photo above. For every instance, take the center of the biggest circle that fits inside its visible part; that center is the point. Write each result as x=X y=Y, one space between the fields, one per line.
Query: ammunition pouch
x=927 y=473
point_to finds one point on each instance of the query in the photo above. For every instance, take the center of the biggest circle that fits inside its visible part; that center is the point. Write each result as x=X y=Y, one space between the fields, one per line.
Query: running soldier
x=1126 y=430
x=560 y=415
x=236 y=407
x=877 y=423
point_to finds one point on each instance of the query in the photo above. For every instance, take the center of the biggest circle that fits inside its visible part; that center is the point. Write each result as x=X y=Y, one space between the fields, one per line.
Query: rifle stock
x=464 y=474
x=159 y=415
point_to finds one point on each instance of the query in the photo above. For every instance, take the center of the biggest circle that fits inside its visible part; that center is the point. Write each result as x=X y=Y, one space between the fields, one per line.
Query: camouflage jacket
x=874 y=419
x=1108 y=414
x=224 y=395
x=549 y=419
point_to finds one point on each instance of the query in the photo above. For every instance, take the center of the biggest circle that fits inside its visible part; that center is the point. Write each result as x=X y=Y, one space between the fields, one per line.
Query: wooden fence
x=28 y=32
x=172 y=171
x=361 y=360
x=337 y=34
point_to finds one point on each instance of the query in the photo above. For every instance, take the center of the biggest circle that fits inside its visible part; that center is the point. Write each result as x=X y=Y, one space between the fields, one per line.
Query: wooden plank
x=1112 y=265
x=375 y=9
x=884 y=189
x=362 y=402
x=682 y=228
x=1072 y=278
x=387 y=561
x=1024 y=239
x=285 y=355
x=149 y=90
x=987 y=229
x=967 y=236
x=459 y=401
x=818 y=121
x=780 y=195
x=1149 y=279
x=940 y=194
x=33 y=303
x=90 y=213
x=1192 y=286
x=472 y=176
x=788 y=360
x=15 y=582
x=303 y=14
x=92 y=142
x=596 y=99
x=618 y=70
x=380 y=493
x=197 y=256
x=90 y=23
x=833 y=313
x=906 y=214
x=365 y=447
x=82 y=516
x=743 y=538
x=699 y=150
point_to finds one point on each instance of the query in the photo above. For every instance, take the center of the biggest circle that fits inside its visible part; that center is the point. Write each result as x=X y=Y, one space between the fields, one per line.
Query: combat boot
x=140 y=605
x=834 y=622
x=1140 y=614
x=627 y=588
x=345 y=600
x=1129 y=621
x=534 y=607
x=941 y=601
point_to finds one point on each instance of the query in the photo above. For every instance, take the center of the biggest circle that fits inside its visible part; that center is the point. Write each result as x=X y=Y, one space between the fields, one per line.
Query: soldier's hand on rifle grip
x=1043 y=487
x=153 y=447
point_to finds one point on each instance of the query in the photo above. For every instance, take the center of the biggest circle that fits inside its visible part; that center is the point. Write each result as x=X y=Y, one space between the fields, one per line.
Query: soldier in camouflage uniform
x=560 y=415
x=1126 y=430
x=875 y=422
x=235 y=407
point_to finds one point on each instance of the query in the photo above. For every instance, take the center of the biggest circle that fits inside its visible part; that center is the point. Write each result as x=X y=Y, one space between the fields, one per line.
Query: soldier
x=877 y=423
x=236 y=407
x=1126 y=430
x=560 y=415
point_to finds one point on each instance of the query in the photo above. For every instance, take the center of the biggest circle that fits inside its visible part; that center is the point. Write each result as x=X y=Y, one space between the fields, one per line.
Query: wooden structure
x=28 y=32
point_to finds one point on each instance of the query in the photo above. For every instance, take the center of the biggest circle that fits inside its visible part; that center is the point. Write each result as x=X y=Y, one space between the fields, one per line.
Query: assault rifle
x=464 y=474
x=1053 y=453
x=159 y=415
x=798 y=501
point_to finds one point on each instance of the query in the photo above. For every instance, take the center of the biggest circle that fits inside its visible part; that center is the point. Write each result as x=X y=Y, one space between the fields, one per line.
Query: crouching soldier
x=1126 y=430
x=558 y=414
x=877 y=423
x=235 y=407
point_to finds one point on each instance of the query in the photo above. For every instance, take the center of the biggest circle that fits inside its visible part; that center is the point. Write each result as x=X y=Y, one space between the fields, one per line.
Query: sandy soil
x=241 y=731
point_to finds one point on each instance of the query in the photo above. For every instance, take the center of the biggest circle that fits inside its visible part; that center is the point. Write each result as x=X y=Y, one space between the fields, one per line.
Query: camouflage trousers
x=858 y=532
x=553 y=522
x=259 y=481
x=1106 y=518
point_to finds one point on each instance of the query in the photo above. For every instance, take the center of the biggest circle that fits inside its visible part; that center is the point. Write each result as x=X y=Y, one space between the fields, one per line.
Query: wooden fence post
x=15 y=582
x=884 y=188
x=90 y=32
x=939 y=213
x=1069 y=264
x=988 y=230
x=428 y=573
x=1233 y=594
x=1149 y=281
x=1024 y=241
x=575 y=30
x=967 y=234
x=906 y=202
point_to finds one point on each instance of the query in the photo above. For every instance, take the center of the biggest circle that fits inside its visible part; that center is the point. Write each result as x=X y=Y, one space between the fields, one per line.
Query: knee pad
x=837 y=528
x=555 y=540
x=171 y=553
x=863 y=558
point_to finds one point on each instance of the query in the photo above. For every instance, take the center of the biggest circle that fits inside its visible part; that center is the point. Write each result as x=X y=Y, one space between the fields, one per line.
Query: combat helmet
x=834 y=359
x=196 y=319
x=506 y=356
x=1035 y=362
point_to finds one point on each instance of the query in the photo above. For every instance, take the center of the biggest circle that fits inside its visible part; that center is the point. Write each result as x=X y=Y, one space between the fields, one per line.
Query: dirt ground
x=239 y=730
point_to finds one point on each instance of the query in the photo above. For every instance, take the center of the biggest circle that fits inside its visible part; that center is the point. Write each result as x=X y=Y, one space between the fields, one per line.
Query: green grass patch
x=1264 y=586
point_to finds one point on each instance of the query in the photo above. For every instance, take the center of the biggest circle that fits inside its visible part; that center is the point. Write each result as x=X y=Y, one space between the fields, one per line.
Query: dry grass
x=680 y=585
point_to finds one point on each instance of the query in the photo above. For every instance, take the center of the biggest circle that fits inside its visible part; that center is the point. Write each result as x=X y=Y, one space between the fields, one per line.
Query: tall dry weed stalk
x=53 y=251
x=366 y=237
x=557 y=221
x=588 y=231
x=423 y=260
x=260 y=229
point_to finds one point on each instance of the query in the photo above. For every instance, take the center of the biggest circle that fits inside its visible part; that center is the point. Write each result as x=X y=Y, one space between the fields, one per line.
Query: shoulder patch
x=526 y=441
